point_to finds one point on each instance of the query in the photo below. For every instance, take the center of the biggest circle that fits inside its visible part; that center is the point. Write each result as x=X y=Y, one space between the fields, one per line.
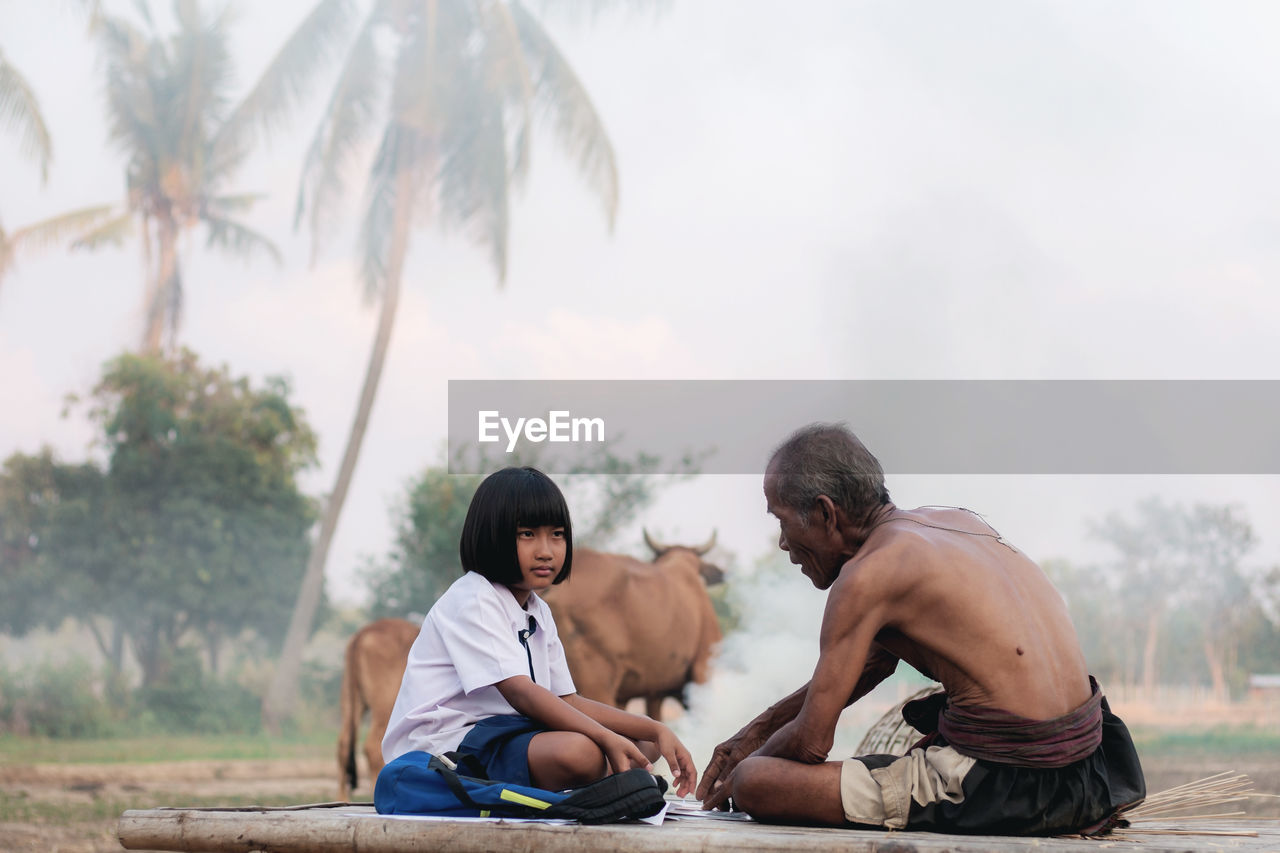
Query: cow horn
x=711 y=543
x=654 y=546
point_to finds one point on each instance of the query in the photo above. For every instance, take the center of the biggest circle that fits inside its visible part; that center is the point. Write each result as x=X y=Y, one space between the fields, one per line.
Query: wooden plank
x=356 y=830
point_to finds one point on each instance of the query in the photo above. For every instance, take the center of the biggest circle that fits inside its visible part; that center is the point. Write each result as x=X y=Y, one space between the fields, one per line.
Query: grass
x=1222 y=741
x=33 y=750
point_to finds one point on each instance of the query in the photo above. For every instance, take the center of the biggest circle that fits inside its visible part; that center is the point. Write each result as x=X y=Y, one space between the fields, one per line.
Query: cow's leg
x=373 y=743
x=653 y=706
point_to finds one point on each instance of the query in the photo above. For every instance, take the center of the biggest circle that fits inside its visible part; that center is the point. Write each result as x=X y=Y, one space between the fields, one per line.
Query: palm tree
x=167 y=107
x=454 y=88
x=20 y=113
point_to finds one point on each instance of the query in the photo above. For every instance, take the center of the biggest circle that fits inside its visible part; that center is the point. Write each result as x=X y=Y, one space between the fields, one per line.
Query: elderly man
x=1021 y=741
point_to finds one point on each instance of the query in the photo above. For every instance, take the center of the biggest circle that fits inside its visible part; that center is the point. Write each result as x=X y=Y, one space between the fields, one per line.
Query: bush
x=60 y=701
x=191 y=700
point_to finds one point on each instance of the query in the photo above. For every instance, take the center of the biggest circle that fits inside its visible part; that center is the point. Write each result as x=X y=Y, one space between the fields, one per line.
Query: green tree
x=194 y=529
x=169 y=112
x=1109 y=637
x=1182 y=568
x=453 y=89
x=1218 y=538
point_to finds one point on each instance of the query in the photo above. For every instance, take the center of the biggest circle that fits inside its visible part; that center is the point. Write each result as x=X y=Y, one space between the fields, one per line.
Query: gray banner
x=913 y=426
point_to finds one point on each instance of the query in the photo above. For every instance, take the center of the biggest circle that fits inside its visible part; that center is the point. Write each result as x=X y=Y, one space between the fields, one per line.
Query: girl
x=487 y=675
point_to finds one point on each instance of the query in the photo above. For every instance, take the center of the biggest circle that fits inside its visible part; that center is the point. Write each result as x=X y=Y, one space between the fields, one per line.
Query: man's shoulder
x=888 y=562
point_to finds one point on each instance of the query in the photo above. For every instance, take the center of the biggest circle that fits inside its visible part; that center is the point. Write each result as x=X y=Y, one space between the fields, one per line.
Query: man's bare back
x=972 y=611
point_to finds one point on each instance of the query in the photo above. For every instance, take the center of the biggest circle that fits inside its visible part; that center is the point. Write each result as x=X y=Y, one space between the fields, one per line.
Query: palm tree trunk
x=159 y=291
x=283 y=692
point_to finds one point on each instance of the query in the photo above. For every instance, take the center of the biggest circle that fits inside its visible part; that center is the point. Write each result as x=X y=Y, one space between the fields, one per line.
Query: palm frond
x=113 y=232
x=284 y=84
x=474 y=179
x=577 y=11
x=57 y=229
x=239 y=239
x=380 y=210
x=41 y=235
x=572 y=114
x=20 y=111
x=132 y=112
x=199 y=76
x=237 y=203
x=510 y=74
x=6 y=253
x=350 y=115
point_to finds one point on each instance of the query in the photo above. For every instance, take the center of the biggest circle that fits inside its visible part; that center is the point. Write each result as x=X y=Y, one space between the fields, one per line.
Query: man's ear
x=826 y=509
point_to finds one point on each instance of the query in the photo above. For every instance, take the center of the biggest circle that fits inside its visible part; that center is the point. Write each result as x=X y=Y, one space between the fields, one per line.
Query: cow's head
x=711 y=573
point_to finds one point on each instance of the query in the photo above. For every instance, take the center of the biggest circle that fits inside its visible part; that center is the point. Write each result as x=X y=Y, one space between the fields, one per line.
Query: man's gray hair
x=828 y=459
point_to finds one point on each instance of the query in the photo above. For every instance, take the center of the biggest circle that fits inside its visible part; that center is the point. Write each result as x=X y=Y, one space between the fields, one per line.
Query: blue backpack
x=454 y=785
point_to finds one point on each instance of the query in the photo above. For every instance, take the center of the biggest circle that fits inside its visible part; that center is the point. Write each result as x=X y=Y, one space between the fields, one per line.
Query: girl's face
x=540 y=552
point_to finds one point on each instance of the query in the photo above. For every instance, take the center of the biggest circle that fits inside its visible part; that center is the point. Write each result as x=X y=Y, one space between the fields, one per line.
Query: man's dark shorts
x=936 y=788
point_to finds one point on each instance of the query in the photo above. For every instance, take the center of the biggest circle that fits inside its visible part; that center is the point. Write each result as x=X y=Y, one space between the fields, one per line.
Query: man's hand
x=683 y=772
x=714 y=789
x=718 y=796
x=798 y=744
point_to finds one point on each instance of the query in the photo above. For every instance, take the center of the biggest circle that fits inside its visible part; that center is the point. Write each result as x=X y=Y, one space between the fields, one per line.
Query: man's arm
x=848 y=666
x=881 y=663
x=748 y=739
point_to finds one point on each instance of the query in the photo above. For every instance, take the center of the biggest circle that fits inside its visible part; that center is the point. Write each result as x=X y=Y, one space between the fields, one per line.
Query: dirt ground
x=64 y=808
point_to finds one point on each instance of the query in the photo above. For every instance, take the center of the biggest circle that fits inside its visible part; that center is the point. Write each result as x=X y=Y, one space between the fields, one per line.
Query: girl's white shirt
x=468 y=643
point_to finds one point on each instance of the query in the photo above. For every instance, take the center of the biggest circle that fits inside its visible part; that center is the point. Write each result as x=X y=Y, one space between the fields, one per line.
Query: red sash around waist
x=994 y=735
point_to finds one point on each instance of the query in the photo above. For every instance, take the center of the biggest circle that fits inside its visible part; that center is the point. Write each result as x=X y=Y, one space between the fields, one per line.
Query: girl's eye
x=558 y=533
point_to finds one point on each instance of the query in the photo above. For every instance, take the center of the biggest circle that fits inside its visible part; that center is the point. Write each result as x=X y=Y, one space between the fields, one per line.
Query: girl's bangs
x=542 y=505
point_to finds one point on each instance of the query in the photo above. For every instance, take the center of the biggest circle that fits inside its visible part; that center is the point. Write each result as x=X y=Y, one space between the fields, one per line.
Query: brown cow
x=634 y=629
x=375 y=661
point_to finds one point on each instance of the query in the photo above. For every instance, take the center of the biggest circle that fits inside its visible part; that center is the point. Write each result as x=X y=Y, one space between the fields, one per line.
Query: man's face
x=807 y=544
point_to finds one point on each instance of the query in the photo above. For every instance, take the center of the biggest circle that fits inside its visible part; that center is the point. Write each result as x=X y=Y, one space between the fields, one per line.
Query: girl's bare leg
x=559 y=760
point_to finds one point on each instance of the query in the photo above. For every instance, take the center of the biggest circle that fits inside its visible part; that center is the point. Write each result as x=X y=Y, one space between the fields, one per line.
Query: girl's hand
x=622 y=753
x=683 y=772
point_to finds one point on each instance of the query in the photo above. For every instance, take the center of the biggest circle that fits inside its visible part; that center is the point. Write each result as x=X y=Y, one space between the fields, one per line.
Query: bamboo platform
x=344 y=828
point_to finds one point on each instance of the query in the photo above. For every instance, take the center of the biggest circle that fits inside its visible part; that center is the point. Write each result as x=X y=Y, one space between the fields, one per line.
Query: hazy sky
x=816 y=190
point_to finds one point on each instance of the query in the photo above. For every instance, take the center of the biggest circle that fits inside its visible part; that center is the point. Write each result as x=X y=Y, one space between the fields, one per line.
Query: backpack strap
x=448 y=771
x=465 y=763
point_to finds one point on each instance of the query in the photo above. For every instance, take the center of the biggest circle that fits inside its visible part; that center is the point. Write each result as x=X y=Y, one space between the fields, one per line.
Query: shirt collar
x=519 y=616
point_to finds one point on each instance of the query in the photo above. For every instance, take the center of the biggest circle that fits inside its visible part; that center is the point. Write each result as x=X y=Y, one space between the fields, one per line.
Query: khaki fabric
x=883 y=796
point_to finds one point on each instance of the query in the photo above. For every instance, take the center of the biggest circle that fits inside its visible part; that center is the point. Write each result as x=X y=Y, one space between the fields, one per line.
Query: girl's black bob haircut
x=506 y=500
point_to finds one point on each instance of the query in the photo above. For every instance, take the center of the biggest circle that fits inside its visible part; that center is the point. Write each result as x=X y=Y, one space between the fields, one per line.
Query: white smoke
x=770 y=653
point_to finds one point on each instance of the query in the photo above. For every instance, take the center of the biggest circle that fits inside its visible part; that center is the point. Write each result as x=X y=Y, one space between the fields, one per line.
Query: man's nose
x=782 y=541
